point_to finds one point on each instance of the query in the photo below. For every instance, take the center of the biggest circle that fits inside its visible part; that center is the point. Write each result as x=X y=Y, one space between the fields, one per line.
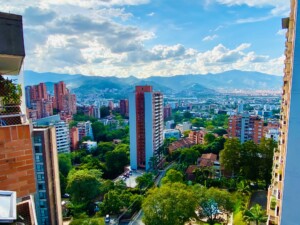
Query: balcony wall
x=16 y=160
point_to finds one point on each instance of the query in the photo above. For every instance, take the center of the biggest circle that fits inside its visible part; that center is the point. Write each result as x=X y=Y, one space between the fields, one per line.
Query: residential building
x=124 y=107
x=185 y=126
x=17 y=180
x=89 y=145
x=170 y=124
x=245 y=127
x=65 y=102
x=146 y=126
x=74 y=138
x=48 y=196
x=283 y=193
x=85 y=130
x=61 y=129
x=171 y=133
x=197 y=136
x=167 y=111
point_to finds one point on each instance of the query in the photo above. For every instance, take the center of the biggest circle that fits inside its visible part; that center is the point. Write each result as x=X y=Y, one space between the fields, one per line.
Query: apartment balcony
x=12 y=51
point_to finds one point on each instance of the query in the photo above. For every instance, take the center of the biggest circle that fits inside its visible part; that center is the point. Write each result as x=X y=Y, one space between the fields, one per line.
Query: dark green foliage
x=171 y=204
x=145 y=181
x=64 y=163
x=84 y=185
x=116 y=160
x=104 y=111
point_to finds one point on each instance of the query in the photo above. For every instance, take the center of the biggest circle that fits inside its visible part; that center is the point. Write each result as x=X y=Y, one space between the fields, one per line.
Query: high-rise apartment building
x=47 y=199
x=283 y=193
x=246 y=127
x=74 y=138
x=167 y=111
x=61 y=129
x=146 y=126
x=85 y=130
x=17 y=180
x=124 y=107
x=38 y=101
x=65 y=102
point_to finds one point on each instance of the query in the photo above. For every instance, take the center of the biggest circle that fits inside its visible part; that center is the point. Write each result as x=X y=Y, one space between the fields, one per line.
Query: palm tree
x=256 y=214
x=243 y=188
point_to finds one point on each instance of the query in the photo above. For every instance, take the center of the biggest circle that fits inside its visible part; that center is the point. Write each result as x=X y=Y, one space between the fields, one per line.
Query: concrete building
x=17 y=180
x=283 y=193
x=184 y=126
x=85 y=130
x=167 y=111
x=89 y=145
x=74 y=138
x=146 y=126
x=245 y=127
x=170 y=124
x=124 y=107
x=197 y=136
x=48 y=196
x=62 y=132
x=171 y=133
x=65 y=102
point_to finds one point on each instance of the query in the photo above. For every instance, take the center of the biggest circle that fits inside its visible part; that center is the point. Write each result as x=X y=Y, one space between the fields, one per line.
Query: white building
x=85 y=130
x=171 y=133
x=61 y=129
x=89 y=145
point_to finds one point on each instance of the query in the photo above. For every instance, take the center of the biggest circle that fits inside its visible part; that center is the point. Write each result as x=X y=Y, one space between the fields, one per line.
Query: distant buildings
x=146 y=126
x=89 y=145
x=124 y=107
x=171 y=133
x=74 y=138
x=85 y=130
x=185 y=126
x=47 y=199
x=197 y=136
x=61 y=129
x=167 y=111
x=245 y=127
x=38 y=101
x=170 y=124
x=64 y=101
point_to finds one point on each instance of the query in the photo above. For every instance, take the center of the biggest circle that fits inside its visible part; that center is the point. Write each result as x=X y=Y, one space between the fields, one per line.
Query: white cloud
x=151 y=14
x=281 y=32
x=280 y=7
x=210 y=37
x=72 y=36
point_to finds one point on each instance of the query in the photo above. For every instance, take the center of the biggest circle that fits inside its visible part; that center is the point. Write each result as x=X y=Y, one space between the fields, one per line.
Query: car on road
x=107 y=218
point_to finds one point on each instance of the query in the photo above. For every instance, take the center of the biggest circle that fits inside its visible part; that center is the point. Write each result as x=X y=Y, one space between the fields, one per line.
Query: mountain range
x=180 y=84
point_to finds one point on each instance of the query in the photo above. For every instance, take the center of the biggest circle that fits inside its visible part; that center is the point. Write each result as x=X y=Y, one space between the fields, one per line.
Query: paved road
x=137 y=220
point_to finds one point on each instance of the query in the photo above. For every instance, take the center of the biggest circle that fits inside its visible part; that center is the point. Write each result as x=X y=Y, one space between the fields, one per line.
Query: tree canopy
x=171 y=204
x=84 y=185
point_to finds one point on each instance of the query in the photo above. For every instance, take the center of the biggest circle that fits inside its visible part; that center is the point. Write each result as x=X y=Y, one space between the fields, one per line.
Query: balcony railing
x=10 y=103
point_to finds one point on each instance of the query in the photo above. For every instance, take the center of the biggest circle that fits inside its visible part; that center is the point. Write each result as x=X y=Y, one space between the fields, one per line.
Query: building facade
x=246 y=127
x=62 y=132
x=283 y=193
x=17 y=180
x=48 y=196
x=124 y=107
x=85 y=130
x=146 y=126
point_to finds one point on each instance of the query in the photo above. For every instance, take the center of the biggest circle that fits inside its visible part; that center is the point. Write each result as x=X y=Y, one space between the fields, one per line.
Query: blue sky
x=152 y=37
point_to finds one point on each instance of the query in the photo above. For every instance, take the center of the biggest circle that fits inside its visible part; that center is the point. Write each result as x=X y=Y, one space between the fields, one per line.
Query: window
x=38 y=149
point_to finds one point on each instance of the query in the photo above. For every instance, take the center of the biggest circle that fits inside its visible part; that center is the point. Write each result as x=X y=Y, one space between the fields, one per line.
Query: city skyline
x=145 y=38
